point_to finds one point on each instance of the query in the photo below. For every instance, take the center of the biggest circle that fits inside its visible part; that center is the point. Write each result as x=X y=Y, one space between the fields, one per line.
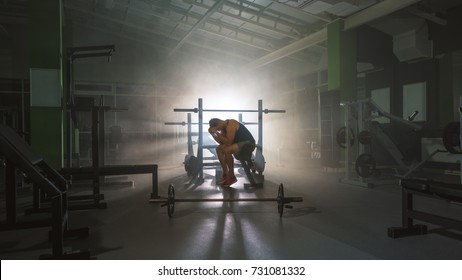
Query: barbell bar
x=282 y=201
x=195 y=110
x=195 y=123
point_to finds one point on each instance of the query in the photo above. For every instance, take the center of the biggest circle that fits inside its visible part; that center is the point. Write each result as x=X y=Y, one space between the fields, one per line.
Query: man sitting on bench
x=231 y=136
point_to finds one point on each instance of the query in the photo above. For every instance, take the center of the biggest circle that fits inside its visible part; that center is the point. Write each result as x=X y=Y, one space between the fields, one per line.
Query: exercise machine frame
x=97 y=171
x=426 y=188
x=366 y=122
x=72 y=54
x=19 y=156
x=411 y=187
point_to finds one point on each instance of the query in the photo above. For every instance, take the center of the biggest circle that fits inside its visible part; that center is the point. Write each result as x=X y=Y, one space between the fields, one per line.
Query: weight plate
x=197 y=166
x=280 y=200
x=171 y=200
x=341 y=137
x=187 y=164
x=365 y=165
x=192 y=165
x=451 y=140
x=259 y=163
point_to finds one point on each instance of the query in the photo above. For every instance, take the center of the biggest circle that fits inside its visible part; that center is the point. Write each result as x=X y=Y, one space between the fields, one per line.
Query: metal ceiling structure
x=246 y=34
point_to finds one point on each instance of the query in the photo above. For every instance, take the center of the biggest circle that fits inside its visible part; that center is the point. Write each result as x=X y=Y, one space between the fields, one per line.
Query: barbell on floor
x=170 y=201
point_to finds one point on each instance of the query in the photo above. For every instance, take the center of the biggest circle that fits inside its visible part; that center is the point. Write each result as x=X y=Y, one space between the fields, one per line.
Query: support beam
x=376 y=11
x=212 y=10
x=313 y=39
x=427 y=16
x=369 y=14
x=157 y=33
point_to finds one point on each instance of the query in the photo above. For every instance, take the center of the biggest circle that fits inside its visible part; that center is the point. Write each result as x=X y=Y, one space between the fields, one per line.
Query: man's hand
x=212 y=130
x=215 y=132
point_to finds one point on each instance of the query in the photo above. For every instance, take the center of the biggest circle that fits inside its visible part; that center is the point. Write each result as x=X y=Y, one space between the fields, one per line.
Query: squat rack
x=209 y=146
x=200 y=110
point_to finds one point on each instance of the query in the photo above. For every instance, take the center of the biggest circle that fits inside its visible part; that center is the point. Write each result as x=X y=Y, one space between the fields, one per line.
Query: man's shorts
x=240 y=145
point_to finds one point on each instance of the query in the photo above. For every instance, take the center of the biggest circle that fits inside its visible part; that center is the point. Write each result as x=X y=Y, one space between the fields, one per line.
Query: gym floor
x=335 y=221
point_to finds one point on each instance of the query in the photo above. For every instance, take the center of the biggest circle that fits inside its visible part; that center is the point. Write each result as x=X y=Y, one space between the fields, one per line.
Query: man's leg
x=222 y=159
x=229 y=151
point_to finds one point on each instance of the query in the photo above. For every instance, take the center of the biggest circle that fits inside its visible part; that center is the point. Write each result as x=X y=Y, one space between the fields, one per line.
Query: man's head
x=214 y=122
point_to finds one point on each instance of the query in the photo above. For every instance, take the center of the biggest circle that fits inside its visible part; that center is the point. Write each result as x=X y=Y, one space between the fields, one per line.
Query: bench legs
x=254 y=181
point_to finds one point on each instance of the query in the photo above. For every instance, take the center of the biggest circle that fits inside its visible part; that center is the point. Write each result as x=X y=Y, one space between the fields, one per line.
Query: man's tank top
x=243 y=134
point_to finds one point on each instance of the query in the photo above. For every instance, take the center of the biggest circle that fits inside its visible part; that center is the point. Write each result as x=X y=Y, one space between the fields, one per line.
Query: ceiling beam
x=427 y=16
x=297 y=46
x=367 y=15
x=212 y=10
x=155 y=43
x=255 y=14
x=376 y=11
x=157 y=33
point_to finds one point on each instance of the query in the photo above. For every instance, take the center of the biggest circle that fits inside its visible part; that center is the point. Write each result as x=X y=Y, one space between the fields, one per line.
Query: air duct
x=413 y=44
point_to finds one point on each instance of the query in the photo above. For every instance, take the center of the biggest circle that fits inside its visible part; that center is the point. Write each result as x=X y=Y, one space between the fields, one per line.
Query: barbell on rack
x=195 y=110
x=183 y=123
x=282 y=201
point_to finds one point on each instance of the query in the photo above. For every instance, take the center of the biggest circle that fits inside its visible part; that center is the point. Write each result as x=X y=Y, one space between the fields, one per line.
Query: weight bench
x=96 y=174
x=245 y=158
x=19 y=155
x=427 y=188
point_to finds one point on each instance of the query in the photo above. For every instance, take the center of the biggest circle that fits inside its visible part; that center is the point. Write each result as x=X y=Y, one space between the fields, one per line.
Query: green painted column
x=341 y=71
x=45 y=37
x=341 y=50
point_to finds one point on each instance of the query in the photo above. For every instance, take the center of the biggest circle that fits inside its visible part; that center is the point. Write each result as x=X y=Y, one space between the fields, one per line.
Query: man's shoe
x=229 y=181
x=222 y=180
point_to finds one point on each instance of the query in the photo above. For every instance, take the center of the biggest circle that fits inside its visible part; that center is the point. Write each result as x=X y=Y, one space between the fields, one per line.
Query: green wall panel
x=342 y=60
x=47 y=134
x=45 y=33
x=341 y=72
x=45 y=53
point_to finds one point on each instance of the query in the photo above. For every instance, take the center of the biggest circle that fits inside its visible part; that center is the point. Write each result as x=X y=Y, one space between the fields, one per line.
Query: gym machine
x=427 y=188
x=19 y=156
x=367 y=129
x=97 y=171
x=258 y=161
x=444 y=191
x=72 y=54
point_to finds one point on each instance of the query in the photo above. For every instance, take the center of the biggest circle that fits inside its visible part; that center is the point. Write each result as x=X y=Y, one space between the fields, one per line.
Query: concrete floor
x=335 y=221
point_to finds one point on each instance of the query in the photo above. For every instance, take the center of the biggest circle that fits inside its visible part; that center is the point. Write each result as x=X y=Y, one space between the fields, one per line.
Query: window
x=381 y=97
x=414 y=99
